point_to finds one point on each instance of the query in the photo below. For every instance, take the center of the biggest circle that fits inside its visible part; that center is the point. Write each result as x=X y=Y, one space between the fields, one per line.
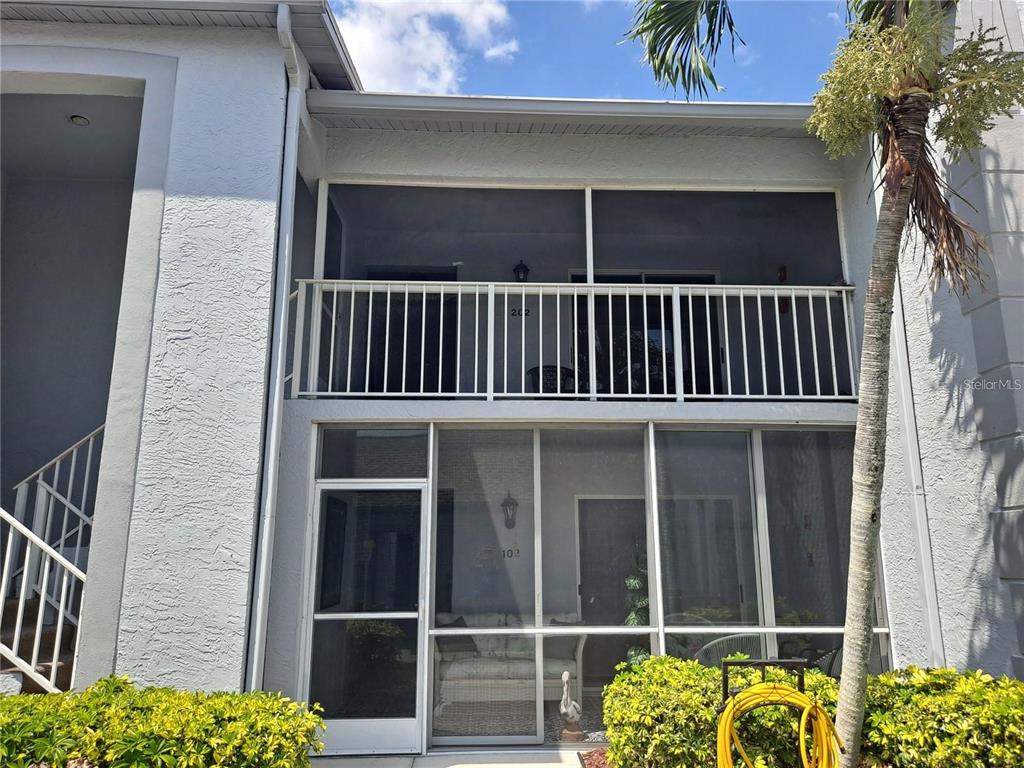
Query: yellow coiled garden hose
x=825 y=742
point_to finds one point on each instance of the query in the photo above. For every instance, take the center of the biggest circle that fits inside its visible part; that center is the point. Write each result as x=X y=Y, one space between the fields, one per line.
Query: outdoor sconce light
x=510 y=507
x=783 y=274
x=521 y=271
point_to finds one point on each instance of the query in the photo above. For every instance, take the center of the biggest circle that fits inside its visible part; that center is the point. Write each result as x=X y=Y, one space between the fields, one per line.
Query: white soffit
x=313 y=25
x=490 y=114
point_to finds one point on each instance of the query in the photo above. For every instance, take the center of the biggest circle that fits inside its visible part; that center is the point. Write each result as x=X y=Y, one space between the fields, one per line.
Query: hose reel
x=825 y=742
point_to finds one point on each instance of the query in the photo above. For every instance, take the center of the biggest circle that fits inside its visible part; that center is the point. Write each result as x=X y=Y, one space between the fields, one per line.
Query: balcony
x=603 y=341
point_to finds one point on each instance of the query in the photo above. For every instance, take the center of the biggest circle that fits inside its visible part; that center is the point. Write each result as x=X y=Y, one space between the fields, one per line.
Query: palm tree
x=889 y=77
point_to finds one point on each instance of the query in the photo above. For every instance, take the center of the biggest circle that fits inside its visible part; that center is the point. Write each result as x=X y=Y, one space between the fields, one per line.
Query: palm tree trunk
x=909 y=122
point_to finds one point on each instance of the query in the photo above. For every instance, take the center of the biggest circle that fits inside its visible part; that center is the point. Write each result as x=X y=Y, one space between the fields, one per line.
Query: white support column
x=588 y=197
x=320 y=243
x=764 y=554
x=490 y=341
x=657 y=612
x=538 y=604
x=677 y=343
x=428 y=549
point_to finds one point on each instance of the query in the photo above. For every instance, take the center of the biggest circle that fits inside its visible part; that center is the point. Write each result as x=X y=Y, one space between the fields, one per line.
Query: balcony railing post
x=490 y=341
x=677 y=343
x=316 y=307
x=38 y=522
x=851 y=352
x=20 y=502
x=592 y=341
x=299 y=340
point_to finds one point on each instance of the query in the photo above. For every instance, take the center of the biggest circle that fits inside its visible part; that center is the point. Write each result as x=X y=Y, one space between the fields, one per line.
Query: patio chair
x=711 y=655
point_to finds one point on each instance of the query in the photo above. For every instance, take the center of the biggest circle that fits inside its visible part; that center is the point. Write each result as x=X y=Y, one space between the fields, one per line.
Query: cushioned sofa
x=494 y=668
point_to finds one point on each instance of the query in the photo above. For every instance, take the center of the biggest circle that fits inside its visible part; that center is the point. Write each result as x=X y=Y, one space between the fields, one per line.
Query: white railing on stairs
x=56 y=501
x=44 y=550
x=35 y=635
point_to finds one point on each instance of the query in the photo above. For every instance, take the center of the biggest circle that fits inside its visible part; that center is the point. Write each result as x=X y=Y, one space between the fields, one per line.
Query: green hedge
x=114 y=724
x=661 y=713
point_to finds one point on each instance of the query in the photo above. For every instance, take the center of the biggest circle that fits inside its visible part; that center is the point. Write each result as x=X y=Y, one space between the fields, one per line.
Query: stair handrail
x=37 y=553
x=56 y=556
x=62 y=455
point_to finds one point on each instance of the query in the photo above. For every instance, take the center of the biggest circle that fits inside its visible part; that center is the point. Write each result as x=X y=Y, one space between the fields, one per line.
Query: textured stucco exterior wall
x=464 y=158
x=186 y=580
x=955 y=453
x=994 y=181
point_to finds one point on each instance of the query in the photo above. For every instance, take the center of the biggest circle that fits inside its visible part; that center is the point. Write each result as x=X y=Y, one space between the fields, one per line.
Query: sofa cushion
x=494 y=670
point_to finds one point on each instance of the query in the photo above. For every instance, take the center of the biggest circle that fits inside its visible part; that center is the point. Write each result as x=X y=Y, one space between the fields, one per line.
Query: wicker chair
x=711 y=655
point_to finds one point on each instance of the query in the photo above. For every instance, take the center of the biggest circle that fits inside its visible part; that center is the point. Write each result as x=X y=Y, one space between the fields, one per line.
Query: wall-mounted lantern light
x=783 y=300
x=521 y=271
x=510 y=507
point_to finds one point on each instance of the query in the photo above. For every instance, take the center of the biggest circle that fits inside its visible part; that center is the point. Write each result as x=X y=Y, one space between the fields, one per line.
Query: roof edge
x=516 y=107
x=331 y=25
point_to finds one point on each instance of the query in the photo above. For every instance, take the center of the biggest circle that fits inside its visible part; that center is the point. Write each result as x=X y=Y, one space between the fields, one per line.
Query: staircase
x=44 y=549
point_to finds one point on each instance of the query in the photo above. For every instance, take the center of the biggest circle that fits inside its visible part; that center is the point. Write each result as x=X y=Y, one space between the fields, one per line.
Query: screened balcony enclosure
x=485 y=571
x=431 y=292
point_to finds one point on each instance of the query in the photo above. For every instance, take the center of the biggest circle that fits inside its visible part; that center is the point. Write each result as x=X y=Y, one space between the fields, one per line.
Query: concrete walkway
x=515 y=759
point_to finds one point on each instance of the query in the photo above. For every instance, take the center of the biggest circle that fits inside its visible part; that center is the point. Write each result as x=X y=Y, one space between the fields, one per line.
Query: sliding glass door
x=541 y=585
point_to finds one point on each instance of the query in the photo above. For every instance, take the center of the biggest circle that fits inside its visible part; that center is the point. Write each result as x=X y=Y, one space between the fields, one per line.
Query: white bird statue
x=571 y=712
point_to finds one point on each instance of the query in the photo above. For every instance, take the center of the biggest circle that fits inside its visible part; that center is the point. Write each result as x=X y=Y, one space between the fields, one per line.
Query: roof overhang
x=313 y=25
x=490 y=114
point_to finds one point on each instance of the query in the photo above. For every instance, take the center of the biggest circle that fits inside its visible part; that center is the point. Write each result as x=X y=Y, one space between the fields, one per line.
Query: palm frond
x=891 y=13
x=681 y=40
x=954 y=246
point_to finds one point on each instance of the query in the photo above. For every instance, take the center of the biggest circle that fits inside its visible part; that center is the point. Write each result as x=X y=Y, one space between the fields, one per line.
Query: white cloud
x=834 y=17
x=502 y=51
x=745 y=55
x=422 y=46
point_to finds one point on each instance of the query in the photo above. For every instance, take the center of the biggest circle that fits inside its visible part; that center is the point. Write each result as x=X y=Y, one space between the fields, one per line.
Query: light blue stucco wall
x=173 y=587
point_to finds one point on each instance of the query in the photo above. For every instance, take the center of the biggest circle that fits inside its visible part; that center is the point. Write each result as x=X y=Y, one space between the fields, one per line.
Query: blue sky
x=575 y=48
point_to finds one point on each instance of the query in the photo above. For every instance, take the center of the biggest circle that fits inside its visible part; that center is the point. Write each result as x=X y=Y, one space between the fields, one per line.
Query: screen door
x=365 y=650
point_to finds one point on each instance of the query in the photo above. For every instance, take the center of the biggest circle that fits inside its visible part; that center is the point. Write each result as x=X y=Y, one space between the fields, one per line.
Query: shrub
x=114 y=724
x=941 y=718
x=662 y=713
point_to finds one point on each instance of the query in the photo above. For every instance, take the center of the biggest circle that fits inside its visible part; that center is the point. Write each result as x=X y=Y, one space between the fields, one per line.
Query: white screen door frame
x=370 y=735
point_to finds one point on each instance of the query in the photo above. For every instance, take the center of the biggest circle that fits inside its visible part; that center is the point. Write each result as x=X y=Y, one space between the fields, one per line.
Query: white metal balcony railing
x=571 y=341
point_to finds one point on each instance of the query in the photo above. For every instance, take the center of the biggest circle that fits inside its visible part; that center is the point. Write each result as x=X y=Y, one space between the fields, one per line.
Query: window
x=808 y=491
x=707 y=540
x=484 y=528
x=348 y=452
x=594 y=528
